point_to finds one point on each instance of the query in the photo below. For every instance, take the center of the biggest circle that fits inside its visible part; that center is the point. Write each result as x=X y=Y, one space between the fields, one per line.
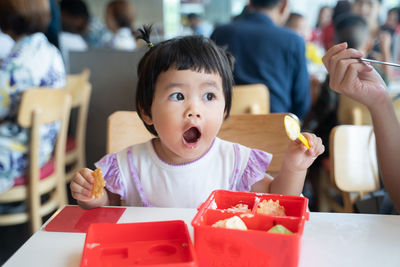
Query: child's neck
x=170 y=157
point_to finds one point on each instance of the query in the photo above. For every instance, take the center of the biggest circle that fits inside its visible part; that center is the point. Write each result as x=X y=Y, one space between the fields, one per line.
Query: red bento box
x=254 y=247
x=152 y=244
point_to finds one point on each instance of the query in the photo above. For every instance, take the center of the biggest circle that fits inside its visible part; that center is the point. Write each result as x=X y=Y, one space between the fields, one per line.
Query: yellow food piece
x=240 y=208
x=98 y=185
x=292 y=128
x=271 y=207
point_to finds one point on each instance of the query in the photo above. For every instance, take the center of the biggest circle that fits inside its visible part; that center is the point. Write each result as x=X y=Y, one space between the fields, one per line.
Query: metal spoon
x=380 y=62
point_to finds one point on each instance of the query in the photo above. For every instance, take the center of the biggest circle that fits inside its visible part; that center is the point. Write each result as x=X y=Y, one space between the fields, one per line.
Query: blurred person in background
x=74 y=20
x=53 y=30
x=299 y=24
x=328 y=32
x=267 y=53
x=119 y=19
x=32 y=62
x=324 y=19
x=75 y=14
x=198 y=25
x=391 y=26
x=6 y=43
x=382 y=40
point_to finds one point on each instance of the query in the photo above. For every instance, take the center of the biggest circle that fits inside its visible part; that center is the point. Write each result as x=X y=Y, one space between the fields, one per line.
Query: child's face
x=187 y=113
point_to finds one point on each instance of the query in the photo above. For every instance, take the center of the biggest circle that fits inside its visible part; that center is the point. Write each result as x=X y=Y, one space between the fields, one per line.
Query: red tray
x=256 y=246
x=153 y=244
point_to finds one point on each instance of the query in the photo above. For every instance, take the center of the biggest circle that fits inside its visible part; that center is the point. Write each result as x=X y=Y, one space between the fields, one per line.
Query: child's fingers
x=316 y=146
x=300 y=145
x=87 y=174
x=83 y=182
x=79 y=193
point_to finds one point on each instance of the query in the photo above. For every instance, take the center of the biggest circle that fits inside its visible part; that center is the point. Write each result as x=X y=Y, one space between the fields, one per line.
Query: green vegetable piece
x=279 y=228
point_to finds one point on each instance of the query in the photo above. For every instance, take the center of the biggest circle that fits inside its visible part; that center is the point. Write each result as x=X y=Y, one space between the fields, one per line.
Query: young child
x=183 y=95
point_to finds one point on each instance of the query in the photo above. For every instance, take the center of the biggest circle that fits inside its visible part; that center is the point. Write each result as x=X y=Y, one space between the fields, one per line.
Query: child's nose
x=192 y=112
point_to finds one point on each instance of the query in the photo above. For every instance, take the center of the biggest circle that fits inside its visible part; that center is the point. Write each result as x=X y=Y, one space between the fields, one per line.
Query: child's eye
x=176 y=97
x=208 y=96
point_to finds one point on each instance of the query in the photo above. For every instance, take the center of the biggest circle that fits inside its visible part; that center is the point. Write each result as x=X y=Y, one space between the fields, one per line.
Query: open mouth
x=192 y=135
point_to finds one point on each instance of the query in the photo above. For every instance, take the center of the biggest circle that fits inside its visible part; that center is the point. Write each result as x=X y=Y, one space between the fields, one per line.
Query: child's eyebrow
x=210 y=83
x=173 y=85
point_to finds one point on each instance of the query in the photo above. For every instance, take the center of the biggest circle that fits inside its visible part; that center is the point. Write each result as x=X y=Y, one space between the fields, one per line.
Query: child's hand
x=351 y=77
x=299 y=158
x=82 y=185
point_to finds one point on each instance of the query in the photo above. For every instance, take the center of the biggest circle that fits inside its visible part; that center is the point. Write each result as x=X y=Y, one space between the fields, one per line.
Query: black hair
x=341 y=7
x=268 y=4
x=292 y=19
x=74 y=8
x=351 y=28
x=192 y=16
x=123 y=13
x=193 y=52
x=24 y=17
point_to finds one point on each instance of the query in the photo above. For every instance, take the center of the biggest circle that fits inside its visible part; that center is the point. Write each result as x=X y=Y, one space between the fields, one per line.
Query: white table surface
x=329 y=239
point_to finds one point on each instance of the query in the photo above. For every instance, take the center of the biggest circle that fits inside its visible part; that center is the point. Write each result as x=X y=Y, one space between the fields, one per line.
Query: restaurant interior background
x=168 y=14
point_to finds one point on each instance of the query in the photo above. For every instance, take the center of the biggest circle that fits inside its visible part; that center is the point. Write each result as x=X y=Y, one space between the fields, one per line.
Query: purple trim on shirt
x=235 y=174
x=136 y=180
x=183 y=164
x=255 y=169
x=112 y=175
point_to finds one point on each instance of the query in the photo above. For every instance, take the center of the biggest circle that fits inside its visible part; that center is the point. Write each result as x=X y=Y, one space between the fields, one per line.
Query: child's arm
x=298 y=158
x=81 y=188
x=363 y=84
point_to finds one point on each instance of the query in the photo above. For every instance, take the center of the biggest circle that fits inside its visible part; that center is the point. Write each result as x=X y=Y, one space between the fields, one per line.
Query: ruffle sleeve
x=255 y=170
x=112 y=174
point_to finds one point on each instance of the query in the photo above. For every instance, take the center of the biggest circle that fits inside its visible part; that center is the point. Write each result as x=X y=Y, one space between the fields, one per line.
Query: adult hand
x=352 y=77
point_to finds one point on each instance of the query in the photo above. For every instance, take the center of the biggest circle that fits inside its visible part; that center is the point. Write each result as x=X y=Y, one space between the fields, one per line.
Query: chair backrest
x=125 y=128
x=355 y=113
x=265 y=132
x=81 y=77
x=79 y=87
x=41 y=106
x=352 y=112
x=353 y=165
x=250 y=99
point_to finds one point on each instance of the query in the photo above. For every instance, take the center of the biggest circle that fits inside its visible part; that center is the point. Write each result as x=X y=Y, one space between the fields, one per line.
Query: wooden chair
x=40 y=106
x=355 y=113
x=125 y=128
x=79 y=88
x=265 y=132
x=354 y=167
x=250 y=99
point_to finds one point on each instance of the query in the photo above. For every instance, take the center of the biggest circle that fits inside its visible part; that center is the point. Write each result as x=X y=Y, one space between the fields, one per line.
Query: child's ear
x=145 y=117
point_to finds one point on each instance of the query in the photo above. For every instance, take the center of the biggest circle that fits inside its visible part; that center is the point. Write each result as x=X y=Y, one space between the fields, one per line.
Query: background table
x=329 y=239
